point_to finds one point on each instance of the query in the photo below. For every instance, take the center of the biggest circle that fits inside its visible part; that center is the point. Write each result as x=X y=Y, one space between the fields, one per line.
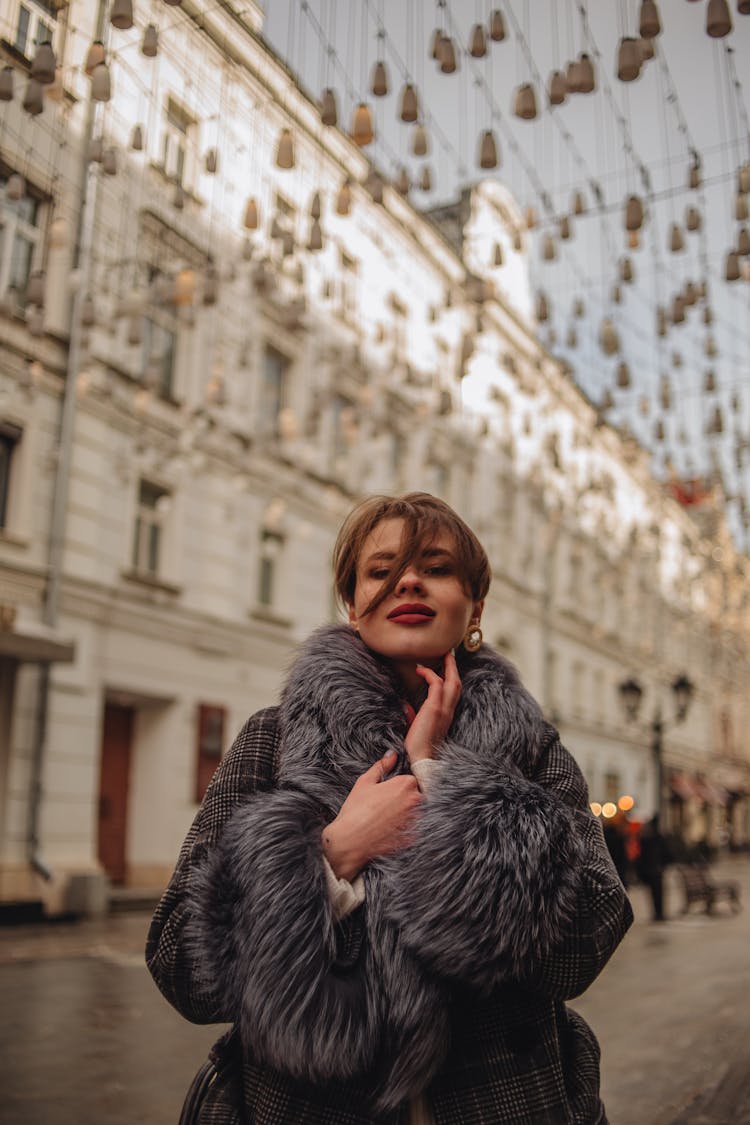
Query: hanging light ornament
x=316 y=237
x=379 y=83
x=659 y=430
x=609 y=341
x=626 y=270
x=586 y=77
x=150 y=42
x=447 y=55
x=88 y=311
x=362 y=130
x=628 y=60
x=6 y=84
x=710 y=347
x=374 y=185
x=44 y=64
x=497 y=255
x=743 y=179
x=409 y=110
x=497 y=26
x=251 y=217
x=58 y=233
x=616 y=295
x=574 y=77
x=478 y=41
x=579 y=203
x=488 y=151
x=579 y=308
x=740 y=209
x=212 y=161
x=178 y=197
x=709 y=382
x=716 y=424
x=564 y=228
x=557 y=89
x=665 y=393
x=109 y=162
x=96 y=150
x=607 y=401
x=571 y=340
x=210 y=285
x=420 y=141
x=633 y=213
x=661 y=321
x=285 y=150
x=549 y=250
x=708 y=316
x=524 y=103
x=690 y=294
x=743 y=7
x=718 y=19
x=101 y=83
x=94 y=57
x=542 y=307
x=436 y=40
x=649 y=25
x=315 y=206
x=623 y=375
x=344 y=198
x=136 y=138
x=634 y=240
x=402 y=183
x=329 y=113
x=743 y=242
x=694 y=175
x=646 y=48
x=33 y=100
x=517 y=240
x=732 y=267
x=15 y=188
x=692 y=219
x=121 y=15
x=529 y=217
x=676 y=241
x=678 y=310
x=425 y=180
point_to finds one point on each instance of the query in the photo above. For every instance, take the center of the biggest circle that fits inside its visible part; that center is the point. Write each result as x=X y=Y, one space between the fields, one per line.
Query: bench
x=700 y=887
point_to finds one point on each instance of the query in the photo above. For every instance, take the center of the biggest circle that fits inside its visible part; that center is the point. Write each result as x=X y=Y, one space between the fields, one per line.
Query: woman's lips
x=409 y=614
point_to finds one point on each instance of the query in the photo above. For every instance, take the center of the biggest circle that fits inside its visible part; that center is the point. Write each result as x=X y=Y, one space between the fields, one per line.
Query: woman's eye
x=379 y=572
x=438 y=570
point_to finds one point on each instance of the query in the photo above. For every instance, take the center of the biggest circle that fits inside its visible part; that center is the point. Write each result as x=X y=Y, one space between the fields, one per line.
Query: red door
x=113 y=790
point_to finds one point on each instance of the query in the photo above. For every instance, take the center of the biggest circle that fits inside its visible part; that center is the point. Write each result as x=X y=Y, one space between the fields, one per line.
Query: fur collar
x=341 y=710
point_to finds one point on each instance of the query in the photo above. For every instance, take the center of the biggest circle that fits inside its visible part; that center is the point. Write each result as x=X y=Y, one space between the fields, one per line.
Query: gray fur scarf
x=486 y=888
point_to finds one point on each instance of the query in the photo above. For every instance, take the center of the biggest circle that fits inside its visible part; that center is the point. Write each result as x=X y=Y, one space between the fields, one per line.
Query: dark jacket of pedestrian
x=447 y=984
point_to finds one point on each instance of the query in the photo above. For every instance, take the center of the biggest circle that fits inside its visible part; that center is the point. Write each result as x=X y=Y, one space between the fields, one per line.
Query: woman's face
x=427 y=612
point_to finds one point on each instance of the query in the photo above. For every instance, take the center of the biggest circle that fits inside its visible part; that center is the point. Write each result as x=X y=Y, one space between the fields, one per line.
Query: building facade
x=206 y=359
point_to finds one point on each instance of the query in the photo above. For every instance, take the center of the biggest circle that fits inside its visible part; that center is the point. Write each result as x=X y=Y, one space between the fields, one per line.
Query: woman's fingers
x=379 y=770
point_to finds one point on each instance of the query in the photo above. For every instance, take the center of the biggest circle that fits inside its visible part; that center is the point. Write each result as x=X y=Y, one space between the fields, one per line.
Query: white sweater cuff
x=427 y=771
x=344 y=896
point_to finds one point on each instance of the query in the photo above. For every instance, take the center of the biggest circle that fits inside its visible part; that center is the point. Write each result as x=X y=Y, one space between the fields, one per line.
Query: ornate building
x=206 y=359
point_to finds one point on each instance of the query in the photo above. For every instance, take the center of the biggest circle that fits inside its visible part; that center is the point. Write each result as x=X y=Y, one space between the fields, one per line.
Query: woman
x=394 y=880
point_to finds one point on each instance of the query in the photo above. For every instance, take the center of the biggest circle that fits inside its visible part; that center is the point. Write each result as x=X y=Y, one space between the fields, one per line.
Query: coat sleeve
x=247 y=933
x=509 y=878
x=246 y=768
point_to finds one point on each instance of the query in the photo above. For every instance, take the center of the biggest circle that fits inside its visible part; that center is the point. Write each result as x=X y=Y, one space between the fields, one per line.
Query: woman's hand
x=432 y=722
x=374 y=820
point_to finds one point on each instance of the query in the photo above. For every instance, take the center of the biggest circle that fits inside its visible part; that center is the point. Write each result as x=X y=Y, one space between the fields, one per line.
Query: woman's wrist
x=344 y=859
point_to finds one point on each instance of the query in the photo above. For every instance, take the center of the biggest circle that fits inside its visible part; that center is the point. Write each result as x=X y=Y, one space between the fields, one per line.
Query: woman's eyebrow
x=377 y=555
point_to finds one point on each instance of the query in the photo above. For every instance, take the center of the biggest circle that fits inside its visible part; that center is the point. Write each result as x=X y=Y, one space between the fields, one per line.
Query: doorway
x=114 y=784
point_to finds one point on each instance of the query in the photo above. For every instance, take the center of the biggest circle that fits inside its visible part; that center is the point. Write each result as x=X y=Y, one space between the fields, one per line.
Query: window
x=178 y=145
x=159 y=346
x=271 y=546
x=10 y=436
x=153 y=504
x=273 y=390
x=19 y=240
x=400 y=326
x=211 y=722
x=34 y=24
x=342 y=432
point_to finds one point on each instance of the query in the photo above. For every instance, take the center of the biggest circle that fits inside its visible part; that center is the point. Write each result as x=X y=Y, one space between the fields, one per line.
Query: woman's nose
x=410 y=579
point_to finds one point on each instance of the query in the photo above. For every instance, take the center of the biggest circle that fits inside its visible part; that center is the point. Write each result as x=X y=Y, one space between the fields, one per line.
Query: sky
x=637 y=137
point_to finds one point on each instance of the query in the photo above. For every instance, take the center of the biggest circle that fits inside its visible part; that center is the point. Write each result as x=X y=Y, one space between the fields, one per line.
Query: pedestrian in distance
x=654 y=856
x=395 y=881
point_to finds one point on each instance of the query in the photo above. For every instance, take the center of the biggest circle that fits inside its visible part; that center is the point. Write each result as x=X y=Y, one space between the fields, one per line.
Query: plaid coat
x=451 y=977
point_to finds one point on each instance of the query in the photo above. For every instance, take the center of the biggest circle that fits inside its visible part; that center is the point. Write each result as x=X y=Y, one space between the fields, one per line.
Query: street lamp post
x=631 y=694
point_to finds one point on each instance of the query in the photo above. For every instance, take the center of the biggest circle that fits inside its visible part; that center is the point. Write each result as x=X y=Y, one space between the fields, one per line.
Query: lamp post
x=631 y=694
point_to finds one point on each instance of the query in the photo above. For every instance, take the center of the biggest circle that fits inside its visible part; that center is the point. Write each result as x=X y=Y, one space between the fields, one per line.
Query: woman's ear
x=476 y=614
x=353 y=618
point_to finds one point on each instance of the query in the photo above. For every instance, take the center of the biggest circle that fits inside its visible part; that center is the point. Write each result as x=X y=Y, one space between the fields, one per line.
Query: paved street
x=85 y=1038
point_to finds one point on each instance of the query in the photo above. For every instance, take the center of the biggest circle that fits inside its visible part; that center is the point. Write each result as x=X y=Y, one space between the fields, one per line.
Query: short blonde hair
x=424 y=517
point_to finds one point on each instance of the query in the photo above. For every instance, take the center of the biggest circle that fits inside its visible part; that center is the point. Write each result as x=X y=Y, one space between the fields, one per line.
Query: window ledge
x=263 y=613
x=152 y=581
x=13 y=539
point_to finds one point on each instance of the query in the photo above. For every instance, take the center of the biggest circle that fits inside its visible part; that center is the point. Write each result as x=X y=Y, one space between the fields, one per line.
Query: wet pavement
x=86 y=1039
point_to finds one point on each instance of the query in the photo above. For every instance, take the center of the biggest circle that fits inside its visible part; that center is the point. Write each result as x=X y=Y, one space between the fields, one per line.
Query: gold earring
x=473 y=637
